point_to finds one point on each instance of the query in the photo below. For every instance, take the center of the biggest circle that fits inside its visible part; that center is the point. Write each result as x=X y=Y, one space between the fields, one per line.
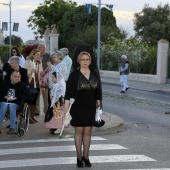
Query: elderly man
x=67 y=60
x=45 y=57
x=12 y=93
x=124 y=71
x=14 y=63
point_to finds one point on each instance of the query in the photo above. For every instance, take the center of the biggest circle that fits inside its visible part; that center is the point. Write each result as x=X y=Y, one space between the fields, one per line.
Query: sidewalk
x=113 y=124
x=138 y=85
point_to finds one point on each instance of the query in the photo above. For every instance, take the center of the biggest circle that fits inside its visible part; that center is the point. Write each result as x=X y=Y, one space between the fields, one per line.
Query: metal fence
x=139 y=62
x=4 y=56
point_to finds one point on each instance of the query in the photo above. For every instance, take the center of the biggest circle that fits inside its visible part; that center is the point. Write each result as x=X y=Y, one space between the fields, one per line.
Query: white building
x=31 y=42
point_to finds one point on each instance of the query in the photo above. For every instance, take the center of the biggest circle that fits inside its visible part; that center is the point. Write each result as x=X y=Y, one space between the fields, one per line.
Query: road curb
x=113 y=124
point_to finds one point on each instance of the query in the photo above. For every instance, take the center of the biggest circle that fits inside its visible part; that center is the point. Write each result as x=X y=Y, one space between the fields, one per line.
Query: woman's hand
x=49 y=64
x=65 y=110
x=43 y=90
x=66 y=106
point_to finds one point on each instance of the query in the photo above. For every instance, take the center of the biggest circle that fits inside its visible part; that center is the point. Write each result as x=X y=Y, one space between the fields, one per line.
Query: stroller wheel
x=21 y=132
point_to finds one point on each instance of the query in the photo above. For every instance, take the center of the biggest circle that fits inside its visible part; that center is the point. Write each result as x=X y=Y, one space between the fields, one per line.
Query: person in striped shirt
x=58 y=67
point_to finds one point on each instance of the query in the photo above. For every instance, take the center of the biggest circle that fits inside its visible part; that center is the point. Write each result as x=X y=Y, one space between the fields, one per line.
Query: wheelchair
x=22 y=119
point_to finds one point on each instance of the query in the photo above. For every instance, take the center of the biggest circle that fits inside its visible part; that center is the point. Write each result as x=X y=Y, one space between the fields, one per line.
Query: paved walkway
x=139 y=85
x=113 y=123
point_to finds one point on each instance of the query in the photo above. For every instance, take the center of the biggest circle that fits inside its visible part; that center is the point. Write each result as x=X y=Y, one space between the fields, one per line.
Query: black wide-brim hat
x=99 y=123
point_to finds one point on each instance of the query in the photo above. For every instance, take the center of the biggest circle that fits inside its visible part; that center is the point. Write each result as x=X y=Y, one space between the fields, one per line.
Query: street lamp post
x=98 y=37
x=10 y=42
x=98 y=34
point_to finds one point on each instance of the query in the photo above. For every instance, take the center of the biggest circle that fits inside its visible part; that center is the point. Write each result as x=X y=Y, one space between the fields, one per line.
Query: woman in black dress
x=84 y=86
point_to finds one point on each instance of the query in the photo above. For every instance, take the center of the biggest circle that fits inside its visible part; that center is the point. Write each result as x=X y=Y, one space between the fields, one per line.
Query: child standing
x=54 y=117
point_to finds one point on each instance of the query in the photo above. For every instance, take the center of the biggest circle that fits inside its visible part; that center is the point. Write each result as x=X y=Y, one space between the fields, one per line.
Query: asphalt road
x=147 y=127
x=137 y=106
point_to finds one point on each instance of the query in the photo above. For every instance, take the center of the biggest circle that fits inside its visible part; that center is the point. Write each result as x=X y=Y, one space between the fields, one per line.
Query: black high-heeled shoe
x=79 y=163
x=86 y=162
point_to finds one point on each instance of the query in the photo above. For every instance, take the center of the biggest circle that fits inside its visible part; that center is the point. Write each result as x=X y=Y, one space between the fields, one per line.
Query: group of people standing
x=83 y=84
x=30 y=69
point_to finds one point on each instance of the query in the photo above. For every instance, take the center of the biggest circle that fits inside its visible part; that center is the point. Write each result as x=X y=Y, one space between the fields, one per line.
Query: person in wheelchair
x=14 y=65
x=12 y=93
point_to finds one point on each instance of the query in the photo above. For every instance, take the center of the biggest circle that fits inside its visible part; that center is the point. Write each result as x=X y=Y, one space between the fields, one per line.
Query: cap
x=124 y=57
x=64 y=51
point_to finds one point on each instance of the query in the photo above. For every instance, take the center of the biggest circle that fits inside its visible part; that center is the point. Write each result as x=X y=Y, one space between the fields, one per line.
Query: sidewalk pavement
x=138 y=85
x=113 y=123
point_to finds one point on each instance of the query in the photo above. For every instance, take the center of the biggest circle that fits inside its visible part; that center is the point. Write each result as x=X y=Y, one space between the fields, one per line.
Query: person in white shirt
x=15 y=52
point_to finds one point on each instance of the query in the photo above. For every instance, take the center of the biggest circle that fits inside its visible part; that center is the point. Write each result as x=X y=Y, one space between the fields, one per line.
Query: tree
x=51 y=12
x=153 y=24
x=16 y=40
x=77 y=26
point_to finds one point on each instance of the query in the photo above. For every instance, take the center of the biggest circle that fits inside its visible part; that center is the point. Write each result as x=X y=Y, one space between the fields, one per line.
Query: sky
x=21 y=10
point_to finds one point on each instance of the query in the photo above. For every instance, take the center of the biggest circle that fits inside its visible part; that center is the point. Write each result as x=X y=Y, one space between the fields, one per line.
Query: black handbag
x=33 y=93
x=33 y=90
x=99 y=123
x=48 y=115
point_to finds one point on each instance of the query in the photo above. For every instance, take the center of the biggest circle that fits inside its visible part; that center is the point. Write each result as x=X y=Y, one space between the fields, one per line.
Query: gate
x=4 y=56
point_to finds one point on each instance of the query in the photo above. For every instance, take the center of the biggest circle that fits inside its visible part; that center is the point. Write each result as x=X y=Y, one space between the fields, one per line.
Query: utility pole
x=10 y=42
x=98 y=34
x=98 y=37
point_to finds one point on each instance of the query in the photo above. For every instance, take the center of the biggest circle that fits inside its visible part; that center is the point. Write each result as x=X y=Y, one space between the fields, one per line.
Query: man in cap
x=124 y=71
x=67 y=60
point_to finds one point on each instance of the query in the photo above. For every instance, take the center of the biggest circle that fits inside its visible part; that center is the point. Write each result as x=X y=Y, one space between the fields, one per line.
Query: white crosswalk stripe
x=72 y=160
x=64 y=148
x=46 y=140
x=56 y=148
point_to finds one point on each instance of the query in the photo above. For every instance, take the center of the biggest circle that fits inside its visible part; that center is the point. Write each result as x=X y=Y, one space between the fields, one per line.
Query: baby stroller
x=22 y=120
